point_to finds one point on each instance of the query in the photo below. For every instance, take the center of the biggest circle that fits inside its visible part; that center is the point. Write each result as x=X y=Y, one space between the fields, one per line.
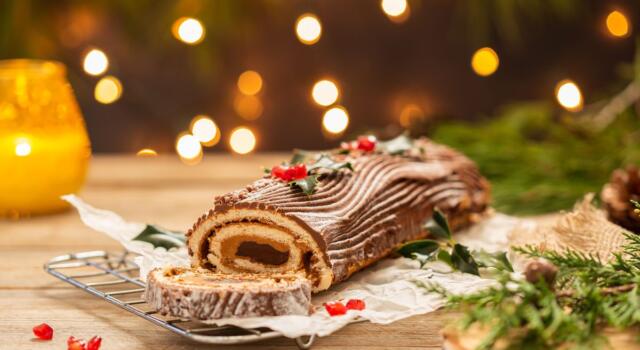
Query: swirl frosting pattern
x=352 y=220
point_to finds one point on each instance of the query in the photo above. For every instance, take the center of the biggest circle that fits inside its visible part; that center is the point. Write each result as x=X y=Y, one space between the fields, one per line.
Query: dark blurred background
x=380 y=64
x=543 y=95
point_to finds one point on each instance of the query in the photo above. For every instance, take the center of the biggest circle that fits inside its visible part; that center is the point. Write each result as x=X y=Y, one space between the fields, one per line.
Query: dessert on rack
x=313 y=222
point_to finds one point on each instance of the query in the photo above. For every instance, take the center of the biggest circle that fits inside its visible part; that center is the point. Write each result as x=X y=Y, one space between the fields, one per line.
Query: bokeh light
x=242 y=140
x=188 y=30
x=569 y=96
x=325 y=92
x=308 y=29
x=95 y=62
x=247 y=107
x=250 y=82
x=410 y=113
x=618 y=24
x=108 y=90
x=485 y=61
x=396 y=10
x=23 y=147
x=188 y=147
x=335 y=120
x=205 y=130
x=146 y=153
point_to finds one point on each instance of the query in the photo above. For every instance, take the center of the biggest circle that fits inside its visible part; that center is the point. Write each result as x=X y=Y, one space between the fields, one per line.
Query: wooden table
x=157 y=190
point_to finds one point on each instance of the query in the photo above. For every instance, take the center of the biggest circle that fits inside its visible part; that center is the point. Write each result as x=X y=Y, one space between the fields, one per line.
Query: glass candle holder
x=44 y=147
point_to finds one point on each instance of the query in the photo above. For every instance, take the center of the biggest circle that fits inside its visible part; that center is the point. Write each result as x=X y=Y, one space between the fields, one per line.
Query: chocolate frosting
x=359 y=217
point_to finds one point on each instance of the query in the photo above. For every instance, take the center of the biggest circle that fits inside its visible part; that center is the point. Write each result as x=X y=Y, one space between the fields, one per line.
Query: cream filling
x=222 y=234
x=223 y=248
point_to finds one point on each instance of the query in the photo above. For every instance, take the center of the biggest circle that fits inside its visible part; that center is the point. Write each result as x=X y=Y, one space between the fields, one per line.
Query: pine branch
x=537 y=314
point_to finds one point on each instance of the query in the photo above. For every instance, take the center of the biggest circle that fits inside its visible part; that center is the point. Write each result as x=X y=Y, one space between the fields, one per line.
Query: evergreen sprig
x=588 y=295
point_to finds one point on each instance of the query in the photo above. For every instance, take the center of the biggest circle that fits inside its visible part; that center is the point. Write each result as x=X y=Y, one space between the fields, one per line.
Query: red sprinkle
x=367 y=143
x=355 y=304
x=43 y=331
x=289 y=173
x=94 y=343
x=75 y=344
x=335 y=308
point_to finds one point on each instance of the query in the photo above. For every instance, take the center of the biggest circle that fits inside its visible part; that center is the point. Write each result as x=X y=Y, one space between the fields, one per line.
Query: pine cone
x=623 y=187
x=537 y=270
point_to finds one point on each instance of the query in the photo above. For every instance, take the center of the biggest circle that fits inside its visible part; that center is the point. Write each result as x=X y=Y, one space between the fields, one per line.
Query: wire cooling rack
x=115 y=278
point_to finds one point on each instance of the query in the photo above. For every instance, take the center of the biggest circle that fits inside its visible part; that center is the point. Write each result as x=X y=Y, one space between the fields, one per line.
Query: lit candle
x=44 y=147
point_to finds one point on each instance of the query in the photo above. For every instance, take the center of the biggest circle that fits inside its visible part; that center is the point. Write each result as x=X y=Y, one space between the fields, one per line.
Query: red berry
x=289 y=173
x=335 y=308
x=94 y=343
x=75 y=344
x=43 y=331
x=366 y=143
x=299 y=171
x=278 y=172
x=355 y=304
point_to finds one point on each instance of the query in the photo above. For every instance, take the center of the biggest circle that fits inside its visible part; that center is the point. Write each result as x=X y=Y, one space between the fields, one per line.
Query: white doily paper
x=388 y=287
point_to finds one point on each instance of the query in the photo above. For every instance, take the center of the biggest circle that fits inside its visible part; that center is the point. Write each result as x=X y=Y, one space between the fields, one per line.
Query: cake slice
x=200 y=294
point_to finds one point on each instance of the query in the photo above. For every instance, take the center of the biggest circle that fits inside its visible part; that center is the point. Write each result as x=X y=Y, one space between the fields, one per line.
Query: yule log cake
x=327 y=215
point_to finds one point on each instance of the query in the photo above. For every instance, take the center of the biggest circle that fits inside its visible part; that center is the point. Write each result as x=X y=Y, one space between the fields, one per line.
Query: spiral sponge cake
x=204 y=295
x=352 y=220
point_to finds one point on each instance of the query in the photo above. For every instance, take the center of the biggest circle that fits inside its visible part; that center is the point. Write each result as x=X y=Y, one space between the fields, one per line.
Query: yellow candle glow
x=44 y=148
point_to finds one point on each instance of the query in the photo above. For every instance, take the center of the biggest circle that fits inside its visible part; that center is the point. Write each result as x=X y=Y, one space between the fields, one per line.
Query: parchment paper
x=388 y=288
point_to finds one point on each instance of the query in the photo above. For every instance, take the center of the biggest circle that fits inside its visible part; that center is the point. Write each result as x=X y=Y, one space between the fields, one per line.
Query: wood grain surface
x=158 y=190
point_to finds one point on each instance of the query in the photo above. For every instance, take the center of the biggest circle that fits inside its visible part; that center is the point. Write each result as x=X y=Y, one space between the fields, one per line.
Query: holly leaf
x=496 y=260
x=462 y=260
x=445 y=257
x=300 y=156
x=438 y=225
x=424 y=247
x=636 y=204
x=396 y=145
x=326 y=162
x=161 y=237
x=307 y=185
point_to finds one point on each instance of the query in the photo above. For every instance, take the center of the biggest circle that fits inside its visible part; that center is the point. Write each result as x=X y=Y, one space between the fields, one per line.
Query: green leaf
x=438 y=226
x=397 y=145
x=326 y=162
x=300 y=156
x=445 y=257
x=496 y=260
x=463 y=261
x=161 y=237
x=635 y=204
x=307 y=185
x=423 y=246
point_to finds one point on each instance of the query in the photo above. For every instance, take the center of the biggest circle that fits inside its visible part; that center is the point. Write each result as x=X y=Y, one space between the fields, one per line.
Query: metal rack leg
x=302 y=344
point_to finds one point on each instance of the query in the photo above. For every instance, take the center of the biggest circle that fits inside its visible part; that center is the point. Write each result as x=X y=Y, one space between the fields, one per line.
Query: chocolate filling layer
x=262 y=253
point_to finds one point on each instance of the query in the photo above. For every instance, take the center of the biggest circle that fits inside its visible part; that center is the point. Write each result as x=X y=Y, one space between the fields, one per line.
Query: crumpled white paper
x=388 y=288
